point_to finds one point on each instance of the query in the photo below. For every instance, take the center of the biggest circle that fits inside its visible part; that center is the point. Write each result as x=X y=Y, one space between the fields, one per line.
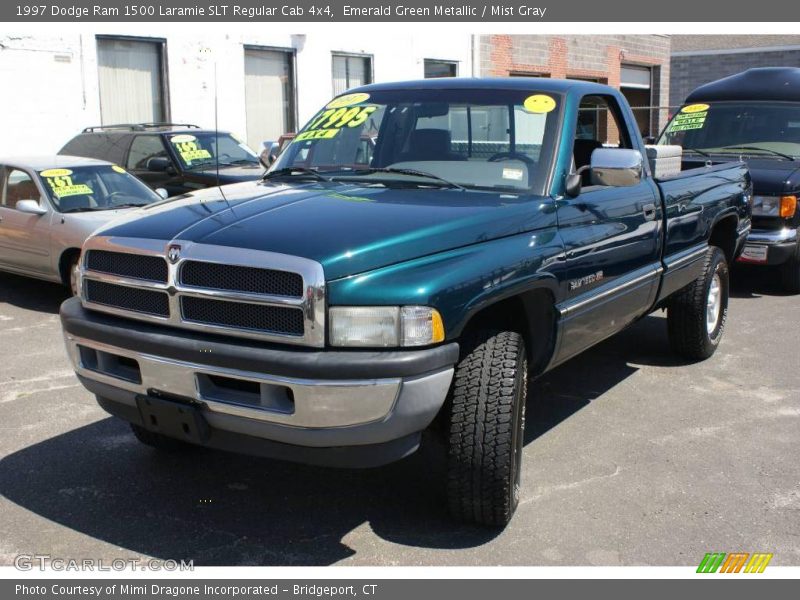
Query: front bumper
x=769 y=246
x=322 y=407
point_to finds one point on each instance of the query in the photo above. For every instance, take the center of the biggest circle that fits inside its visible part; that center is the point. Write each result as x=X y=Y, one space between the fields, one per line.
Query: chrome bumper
x=772 y=236
x=278 y=408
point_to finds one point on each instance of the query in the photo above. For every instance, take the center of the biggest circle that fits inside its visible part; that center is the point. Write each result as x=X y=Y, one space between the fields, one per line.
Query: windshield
x=199 y=150
x=100 y=187
x=752 y=128
x=479 y=139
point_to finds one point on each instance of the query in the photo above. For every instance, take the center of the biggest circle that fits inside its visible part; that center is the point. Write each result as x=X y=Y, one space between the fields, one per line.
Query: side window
x=18 y=186
x=599 y=125
x=143 y=148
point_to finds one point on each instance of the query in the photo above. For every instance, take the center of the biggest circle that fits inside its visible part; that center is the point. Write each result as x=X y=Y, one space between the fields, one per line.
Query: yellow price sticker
x=348 y=100
x=55 y=173
x=695 y=108
x=119 y=169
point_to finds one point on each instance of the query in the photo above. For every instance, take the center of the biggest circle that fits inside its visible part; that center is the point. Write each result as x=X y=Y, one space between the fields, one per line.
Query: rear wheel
x=486 y=428
x=791 y=273
x=696 y=315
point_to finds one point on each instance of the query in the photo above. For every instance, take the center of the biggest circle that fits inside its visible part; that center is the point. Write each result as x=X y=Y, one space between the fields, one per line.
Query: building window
x=269 y=89
x=131 y=81
x=350 y=70
x=528 y=74
x=636 y=85
x=440 y=68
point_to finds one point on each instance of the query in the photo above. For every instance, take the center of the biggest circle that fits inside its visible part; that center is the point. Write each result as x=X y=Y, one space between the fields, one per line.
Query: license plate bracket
x=754 y=254
x=174 y=418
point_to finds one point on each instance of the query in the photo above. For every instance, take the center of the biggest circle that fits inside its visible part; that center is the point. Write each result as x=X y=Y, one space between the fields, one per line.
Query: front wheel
x=486 y=428
x=696 y=315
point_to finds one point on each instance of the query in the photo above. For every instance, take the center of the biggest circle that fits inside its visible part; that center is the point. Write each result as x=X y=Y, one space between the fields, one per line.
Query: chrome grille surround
x=311 y=303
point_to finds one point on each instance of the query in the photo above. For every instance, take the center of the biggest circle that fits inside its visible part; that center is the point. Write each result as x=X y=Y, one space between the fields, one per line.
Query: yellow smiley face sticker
x=539 y=103
x=348 y=100
x=695 y=108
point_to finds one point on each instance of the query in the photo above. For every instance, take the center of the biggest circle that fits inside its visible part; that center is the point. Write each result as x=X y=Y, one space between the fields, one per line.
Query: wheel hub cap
x=713 y=304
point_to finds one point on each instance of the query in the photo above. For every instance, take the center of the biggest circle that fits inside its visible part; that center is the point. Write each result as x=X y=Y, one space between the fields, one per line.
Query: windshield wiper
x=239 y=161
x=290 y=171
x=759 y=149
x=126 y=205
x=411 y=172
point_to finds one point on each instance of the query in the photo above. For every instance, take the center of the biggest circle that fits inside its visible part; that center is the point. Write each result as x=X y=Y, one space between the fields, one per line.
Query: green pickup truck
x=410 y=261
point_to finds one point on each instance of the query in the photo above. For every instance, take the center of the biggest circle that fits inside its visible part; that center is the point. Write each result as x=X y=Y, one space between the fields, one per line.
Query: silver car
x=49 y=205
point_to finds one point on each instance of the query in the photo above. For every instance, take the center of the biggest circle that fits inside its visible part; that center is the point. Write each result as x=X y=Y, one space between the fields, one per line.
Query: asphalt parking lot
x=632 y=458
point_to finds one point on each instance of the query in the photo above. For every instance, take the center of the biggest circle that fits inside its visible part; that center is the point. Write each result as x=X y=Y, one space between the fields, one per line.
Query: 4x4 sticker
x=539 y=104
x=329 y=122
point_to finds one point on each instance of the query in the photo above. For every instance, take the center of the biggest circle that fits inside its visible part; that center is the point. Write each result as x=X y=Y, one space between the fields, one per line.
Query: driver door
x=24 y=237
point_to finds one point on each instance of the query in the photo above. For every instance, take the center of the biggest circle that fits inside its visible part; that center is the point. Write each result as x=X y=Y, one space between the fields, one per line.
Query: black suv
x=176 y=157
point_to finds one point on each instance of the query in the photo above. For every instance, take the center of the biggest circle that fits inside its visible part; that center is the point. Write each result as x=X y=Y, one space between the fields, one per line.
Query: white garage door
x=269 y=95
x=131 y=87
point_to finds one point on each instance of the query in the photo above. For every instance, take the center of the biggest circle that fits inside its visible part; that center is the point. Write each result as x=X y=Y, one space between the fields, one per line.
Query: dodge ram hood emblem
x=174 y=253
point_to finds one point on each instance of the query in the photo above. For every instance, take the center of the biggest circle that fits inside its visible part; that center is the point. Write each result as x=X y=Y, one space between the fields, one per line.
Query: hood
x=227 y=175
x=774 y=177
x=348 y=229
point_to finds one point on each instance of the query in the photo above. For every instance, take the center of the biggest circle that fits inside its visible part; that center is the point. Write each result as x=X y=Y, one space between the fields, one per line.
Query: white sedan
x=49 y=206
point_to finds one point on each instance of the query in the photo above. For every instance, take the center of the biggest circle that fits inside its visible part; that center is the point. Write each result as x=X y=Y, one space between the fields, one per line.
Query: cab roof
x=54 y=161
x=781 y=84
x=539 y=84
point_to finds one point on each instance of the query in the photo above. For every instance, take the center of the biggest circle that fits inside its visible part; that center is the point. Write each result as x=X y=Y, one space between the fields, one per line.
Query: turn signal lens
x=788 y=206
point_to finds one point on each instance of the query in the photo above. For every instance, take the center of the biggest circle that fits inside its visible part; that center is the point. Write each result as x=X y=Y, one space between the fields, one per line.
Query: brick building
x=698 y=59
x=638 y=65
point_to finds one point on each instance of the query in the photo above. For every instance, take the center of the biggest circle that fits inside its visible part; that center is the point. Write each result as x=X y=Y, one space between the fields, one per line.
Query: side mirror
x=159 y=163
x=31 y=207
x=163 y=193
x=269 y=154
x=616 y=167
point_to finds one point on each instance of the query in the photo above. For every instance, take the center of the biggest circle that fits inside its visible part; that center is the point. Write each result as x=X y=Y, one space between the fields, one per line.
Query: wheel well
x=531 y=314
x=65 y=261
x=723 y=236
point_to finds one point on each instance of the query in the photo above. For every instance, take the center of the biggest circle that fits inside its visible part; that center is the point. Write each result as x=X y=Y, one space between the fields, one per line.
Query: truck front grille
x=255 y=317
x=123 y=297
x=217 y=289
x=135 y=266
x=236 y=278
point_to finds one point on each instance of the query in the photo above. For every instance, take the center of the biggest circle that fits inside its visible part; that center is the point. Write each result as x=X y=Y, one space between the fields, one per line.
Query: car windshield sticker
x=187 y=148
x=539 y=104
x=685 y=121
x=118 y=169
x=60 y=181
x=515 y=174
x=695 y=108
x=330 y=122
x=347 y=100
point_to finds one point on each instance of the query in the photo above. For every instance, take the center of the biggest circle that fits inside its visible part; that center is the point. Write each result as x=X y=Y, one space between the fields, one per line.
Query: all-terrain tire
x=486 y=428
x=692 y=334
x=158 y=441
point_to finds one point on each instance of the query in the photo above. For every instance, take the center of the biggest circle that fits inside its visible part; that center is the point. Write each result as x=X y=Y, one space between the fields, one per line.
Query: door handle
x=649 y=212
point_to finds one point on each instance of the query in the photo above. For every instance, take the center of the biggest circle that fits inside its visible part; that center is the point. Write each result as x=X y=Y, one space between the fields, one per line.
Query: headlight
x=775 y=206
x=767 y=206
x=385 y=326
